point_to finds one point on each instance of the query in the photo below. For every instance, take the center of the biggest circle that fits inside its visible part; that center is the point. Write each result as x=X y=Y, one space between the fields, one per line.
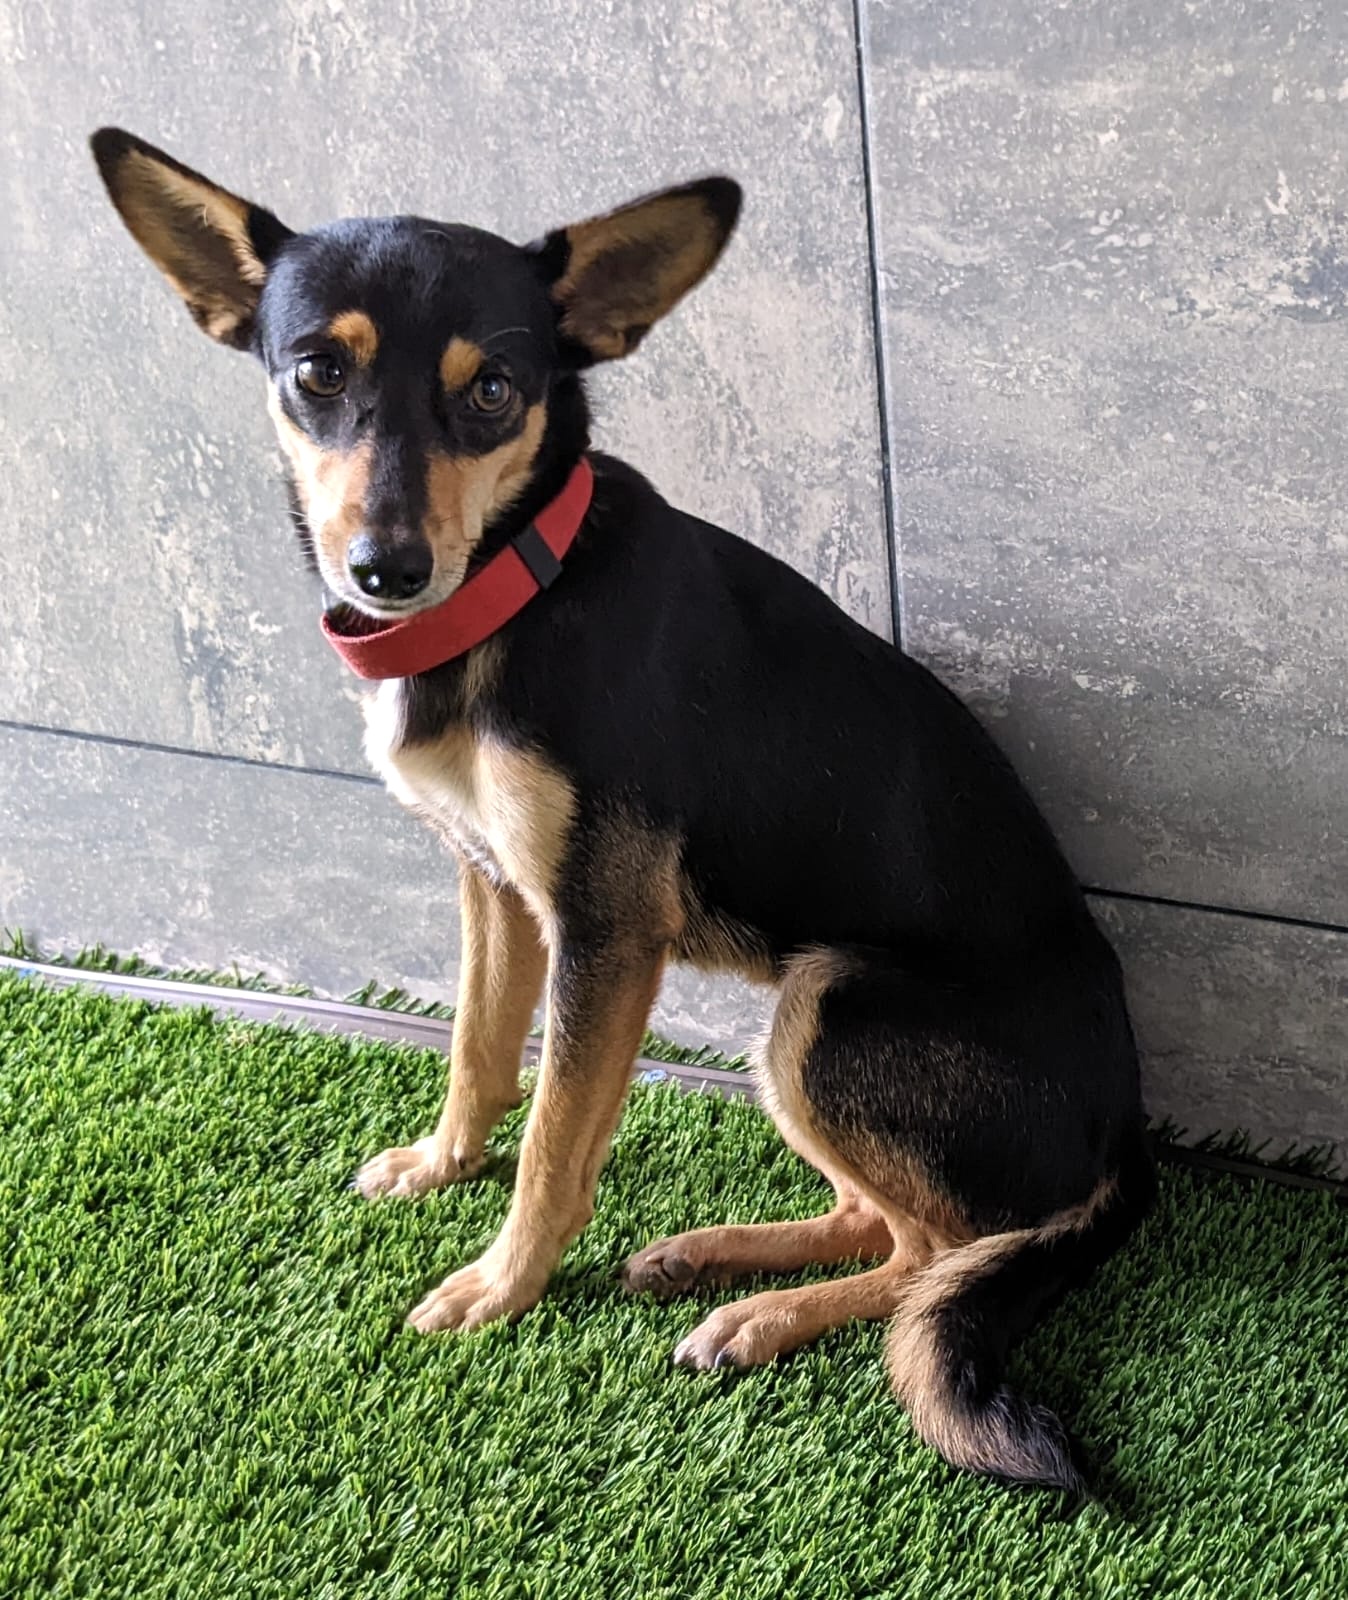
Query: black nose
x=389 y=570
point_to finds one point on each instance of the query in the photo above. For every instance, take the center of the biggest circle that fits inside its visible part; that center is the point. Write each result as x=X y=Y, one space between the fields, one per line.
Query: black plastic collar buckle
x=532 y=549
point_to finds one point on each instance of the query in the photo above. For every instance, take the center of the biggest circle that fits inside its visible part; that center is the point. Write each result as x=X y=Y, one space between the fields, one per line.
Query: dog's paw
x=745 y=1333
x=469 y=1298
x=406 y=1171
x=666 y=1268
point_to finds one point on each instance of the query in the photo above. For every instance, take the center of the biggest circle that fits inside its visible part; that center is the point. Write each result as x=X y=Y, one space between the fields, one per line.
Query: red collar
x=530 y=562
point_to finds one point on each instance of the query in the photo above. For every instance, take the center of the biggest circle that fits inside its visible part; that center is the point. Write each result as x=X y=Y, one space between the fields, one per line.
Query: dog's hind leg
x=993 y=1124
x=504 y=965
x=861 y=1225
x=871 y=1218
x=749 y=1332
x=853 y=1231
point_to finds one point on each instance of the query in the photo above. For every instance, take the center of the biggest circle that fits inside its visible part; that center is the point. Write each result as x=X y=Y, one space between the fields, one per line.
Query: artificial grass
x=206 y=1389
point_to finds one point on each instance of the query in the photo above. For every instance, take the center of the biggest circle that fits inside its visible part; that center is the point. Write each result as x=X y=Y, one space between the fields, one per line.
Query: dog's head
x=423 y=375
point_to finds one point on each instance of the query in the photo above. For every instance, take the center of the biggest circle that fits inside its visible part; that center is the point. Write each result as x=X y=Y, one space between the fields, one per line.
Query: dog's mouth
x=354 y=618
x=360 y=621
x=349 y=622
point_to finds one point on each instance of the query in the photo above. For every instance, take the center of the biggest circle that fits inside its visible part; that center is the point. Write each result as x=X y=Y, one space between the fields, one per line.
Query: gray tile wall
x=1114 y=303
x=1105 y=243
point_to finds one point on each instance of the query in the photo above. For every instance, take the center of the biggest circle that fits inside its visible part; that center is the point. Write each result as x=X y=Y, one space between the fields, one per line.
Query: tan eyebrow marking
x=460 y=363
x=356 y=331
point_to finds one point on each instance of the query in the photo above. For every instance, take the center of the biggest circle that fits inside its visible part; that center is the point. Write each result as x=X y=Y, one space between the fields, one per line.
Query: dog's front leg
x=504 y=964
x=599 y=997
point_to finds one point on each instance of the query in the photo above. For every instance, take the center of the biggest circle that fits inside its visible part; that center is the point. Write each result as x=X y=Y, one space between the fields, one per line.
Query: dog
x=648 y=741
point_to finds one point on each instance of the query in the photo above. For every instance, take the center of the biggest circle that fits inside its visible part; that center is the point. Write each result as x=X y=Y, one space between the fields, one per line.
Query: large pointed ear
x=213 y=247
x=613 y=276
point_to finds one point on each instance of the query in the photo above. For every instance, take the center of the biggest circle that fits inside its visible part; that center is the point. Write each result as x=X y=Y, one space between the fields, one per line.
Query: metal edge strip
x=335 y=1016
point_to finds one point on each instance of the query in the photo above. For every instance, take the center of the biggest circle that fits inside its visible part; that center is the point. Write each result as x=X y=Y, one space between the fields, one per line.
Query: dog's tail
x=958 y=1318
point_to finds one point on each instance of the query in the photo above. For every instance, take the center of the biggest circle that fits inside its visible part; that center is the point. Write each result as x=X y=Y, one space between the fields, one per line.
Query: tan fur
x=171 y=217
x=582 y=1086
x=463 y=493
x=332 y=487
x=795 y=1023
x=914 y=1358
x=587 y=1066
x=920 y=1218
x=749 y=1332
x=955 y=1269
x=500 y=981
x=719 y=944
x=460 y=364
x=508 y=811
x=853 y=1231
x=607 y=308
x=504 y=966
x=886 y=1207
x=965 y=1440
x=504 y=963
x=482 y=668
x=356 y=330
x=140 y=176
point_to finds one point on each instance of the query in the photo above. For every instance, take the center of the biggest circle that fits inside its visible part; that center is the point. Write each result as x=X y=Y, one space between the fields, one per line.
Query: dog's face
x=410 y=367
x=413 y=366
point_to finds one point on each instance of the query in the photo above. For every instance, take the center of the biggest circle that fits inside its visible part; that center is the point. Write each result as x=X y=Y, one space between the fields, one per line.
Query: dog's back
x=825 y=787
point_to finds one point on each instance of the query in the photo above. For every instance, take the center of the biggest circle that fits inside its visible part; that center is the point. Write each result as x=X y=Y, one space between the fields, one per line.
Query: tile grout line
x=881 y=360
x=227 y=757
x=1278 y=918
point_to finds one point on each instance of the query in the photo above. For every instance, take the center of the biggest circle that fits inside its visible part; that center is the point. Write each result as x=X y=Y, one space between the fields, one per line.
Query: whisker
x=501 y=333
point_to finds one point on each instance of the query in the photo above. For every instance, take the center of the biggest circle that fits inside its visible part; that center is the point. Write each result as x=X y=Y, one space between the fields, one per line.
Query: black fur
x=819 y=787
x=973 y=1332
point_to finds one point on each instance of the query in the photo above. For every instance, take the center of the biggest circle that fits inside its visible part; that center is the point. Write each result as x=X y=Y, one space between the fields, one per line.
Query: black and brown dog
x=681 y=751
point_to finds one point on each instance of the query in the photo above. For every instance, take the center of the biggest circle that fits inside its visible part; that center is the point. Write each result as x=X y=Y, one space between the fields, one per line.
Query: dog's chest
x=508 y=811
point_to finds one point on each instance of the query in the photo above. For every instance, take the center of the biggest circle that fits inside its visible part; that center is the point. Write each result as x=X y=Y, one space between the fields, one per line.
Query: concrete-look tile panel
x=148 y=582
x=1241 y=1023
x=307 y=878
x=1115 y=282
x=184 y=861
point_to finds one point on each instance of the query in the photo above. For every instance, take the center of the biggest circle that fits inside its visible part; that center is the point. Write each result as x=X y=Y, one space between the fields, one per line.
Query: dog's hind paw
x=745 y=1333
x=664 y=1269
x=407 y=1171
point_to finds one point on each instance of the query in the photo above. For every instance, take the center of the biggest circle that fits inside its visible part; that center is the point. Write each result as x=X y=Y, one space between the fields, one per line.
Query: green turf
x=207 y=1389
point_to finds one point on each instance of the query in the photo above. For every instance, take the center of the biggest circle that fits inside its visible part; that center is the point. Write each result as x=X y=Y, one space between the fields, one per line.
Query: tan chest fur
x=508 y=811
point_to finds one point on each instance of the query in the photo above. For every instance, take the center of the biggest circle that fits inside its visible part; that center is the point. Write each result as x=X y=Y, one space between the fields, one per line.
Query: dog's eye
x=490 y=393
x=321 y=376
